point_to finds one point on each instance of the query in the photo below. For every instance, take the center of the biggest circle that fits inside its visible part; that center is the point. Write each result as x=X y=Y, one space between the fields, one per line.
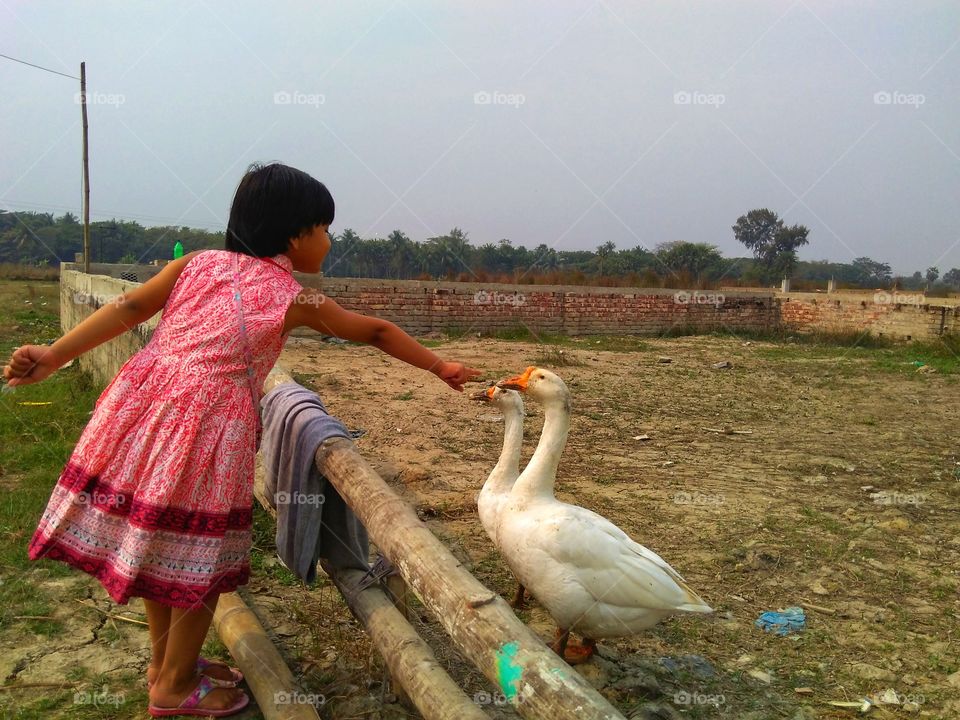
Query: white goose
x=589 y=575
x=496 y=489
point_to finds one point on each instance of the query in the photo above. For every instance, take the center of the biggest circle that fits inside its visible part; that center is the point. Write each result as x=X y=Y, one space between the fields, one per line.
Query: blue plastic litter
x=791 y=619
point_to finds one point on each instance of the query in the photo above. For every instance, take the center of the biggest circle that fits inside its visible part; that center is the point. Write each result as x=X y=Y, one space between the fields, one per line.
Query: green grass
x=880 y=355
x=89 y=698
x=39 y=425
x=613 y=343
x=263 y=556
x=556 y=357
x=305 y=379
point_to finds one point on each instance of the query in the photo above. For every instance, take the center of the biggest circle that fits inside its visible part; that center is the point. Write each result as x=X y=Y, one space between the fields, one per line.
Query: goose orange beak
x=519 y=382
x=483 y=395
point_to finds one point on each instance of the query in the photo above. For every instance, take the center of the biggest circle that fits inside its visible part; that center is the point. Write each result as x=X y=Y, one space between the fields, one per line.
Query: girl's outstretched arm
x=314 y=309
x=33 y=363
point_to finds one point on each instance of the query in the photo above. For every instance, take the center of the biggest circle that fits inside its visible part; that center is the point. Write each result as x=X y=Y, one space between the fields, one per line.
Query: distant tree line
x=42 y=239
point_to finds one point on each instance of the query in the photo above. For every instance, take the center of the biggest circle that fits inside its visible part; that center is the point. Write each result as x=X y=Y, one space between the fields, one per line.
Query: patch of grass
x=611 y=343
x=214 y=649
x=263 y=555
x=39 y=425
x=305 y=379
x=678 y=331
x=518 y=333
x=881 y=354
x=30 y=312
x=825 y=521
x=32 y=273
x=557 y=357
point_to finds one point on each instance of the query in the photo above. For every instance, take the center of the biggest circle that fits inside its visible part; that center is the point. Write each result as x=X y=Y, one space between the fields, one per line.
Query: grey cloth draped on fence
x=313 y=521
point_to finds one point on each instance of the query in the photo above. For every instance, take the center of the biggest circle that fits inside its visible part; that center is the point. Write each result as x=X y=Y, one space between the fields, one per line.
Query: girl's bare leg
x=178 y=675
x=158 y=618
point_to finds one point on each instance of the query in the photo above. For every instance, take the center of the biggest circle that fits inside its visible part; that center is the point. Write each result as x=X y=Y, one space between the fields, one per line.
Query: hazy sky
x=565 y=123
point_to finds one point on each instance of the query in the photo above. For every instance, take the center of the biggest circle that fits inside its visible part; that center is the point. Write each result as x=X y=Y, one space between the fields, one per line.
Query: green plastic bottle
x=177 y=251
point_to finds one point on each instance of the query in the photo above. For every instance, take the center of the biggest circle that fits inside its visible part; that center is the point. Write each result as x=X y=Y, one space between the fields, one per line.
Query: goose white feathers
x=499 y=483
x=591 y=576
x=496 y=490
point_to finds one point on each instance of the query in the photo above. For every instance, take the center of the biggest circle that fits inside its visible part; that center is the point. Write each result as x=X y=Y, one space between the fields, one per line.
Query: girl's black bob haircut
x=274 y=204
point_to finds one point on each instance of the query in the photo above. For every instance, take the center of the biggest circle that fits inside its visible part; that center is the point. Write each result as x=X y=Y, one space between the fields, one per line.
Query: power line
x=55 y=72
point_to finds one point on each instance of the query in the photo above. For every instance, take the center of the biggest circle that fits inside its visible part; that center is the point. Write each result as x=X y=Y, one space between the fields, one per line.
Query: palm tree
x=604 y=251
x=400 y=253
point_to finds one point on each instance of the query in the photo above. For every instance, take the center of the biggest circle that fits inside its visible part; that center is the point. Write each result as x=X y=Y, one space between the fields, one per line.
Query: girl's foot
x=197 y=695
x=215 y=670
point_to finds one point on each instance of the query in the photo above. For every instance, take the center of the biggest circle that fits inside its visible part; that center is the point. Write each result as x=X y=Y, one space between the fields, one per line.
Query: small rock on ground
x=655 y=711
x=872 y=672
x=696 y=665
x=639 y=684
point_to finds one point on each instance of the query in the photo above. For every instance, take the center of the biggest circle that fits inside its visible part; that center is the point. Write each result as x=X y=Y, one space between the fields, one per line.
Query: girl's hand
x=30 y=364
x=455 y=374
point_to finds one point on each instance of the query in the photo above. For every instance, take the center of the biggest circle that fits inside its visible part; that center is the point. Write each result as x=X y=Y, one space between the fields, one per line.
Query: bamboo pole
x=269 y=678
x=410 y=660
x=529 y=675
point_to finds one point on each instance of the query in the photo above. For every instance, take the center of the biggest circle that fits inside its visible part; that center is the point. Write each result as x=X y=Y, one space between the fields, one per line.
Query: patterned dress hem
x=121 y=590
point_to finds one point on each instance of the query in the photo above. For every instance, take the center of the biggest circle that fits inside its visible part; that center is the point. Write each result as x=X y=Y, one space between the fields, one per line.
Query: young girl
x=156 y=500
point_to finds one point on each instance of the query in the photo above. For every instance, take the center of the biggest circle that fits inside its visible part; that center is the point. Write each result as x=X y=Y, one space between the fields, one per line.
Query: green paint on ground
x=509 y=670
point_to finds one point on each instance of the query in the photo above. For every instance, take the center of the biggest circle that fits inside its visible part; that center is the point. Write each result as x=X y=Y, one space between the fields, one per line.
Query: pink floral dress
x=156 y=500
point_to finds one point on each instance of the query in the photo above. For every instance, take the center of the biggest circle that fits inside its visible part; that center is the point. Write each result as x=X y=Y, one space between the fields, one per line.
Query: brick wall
x=879 y=315
x=423 y=307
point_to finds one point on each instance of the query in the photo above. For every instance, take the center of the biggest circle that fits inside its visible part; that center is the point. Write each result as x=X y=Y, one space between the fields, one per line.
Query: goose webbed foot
x=577 y=654
x=573 y=654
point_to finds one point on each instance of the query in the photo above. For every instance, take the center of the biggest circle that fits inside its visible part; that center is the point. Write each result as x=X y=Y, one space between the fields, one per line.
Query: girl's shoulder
x=206 y=259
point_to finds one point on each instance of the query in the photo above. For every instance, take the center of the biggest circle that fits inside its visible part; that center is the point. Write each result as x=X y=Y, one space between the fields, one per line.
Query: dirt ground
x=842 y=498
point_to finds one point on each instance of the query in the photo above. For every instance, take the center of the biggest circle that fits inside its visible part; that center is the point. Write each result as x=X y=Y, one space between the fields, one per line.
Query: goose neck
x=539 y=476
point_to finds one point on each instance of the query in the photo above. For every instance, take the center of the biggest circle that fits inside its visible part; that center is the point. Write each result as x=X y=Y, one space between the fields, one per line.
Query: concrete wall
x=80 y=296
x=422 y=307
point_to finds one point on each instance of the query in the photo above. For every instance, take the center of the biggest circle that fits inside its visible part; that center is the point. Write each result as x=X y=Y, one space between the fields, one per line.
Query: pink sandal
x=189 y=706
x=203 y=664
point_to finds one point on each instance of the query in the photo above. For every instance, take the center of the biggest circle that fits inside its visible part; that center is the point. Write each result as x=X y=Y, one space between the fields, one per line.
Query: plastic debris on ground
x=863 y=705
x=782 y=622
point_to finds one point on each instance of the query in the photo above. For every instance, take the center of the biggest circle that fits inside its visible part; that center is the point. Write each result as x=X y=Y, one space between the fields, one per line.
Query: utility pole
x=86 y=171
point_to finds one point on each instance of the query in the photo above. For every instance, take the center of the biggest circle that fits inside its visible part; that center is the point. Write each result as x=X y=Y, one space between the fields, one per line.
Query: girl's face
x=308 y=251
